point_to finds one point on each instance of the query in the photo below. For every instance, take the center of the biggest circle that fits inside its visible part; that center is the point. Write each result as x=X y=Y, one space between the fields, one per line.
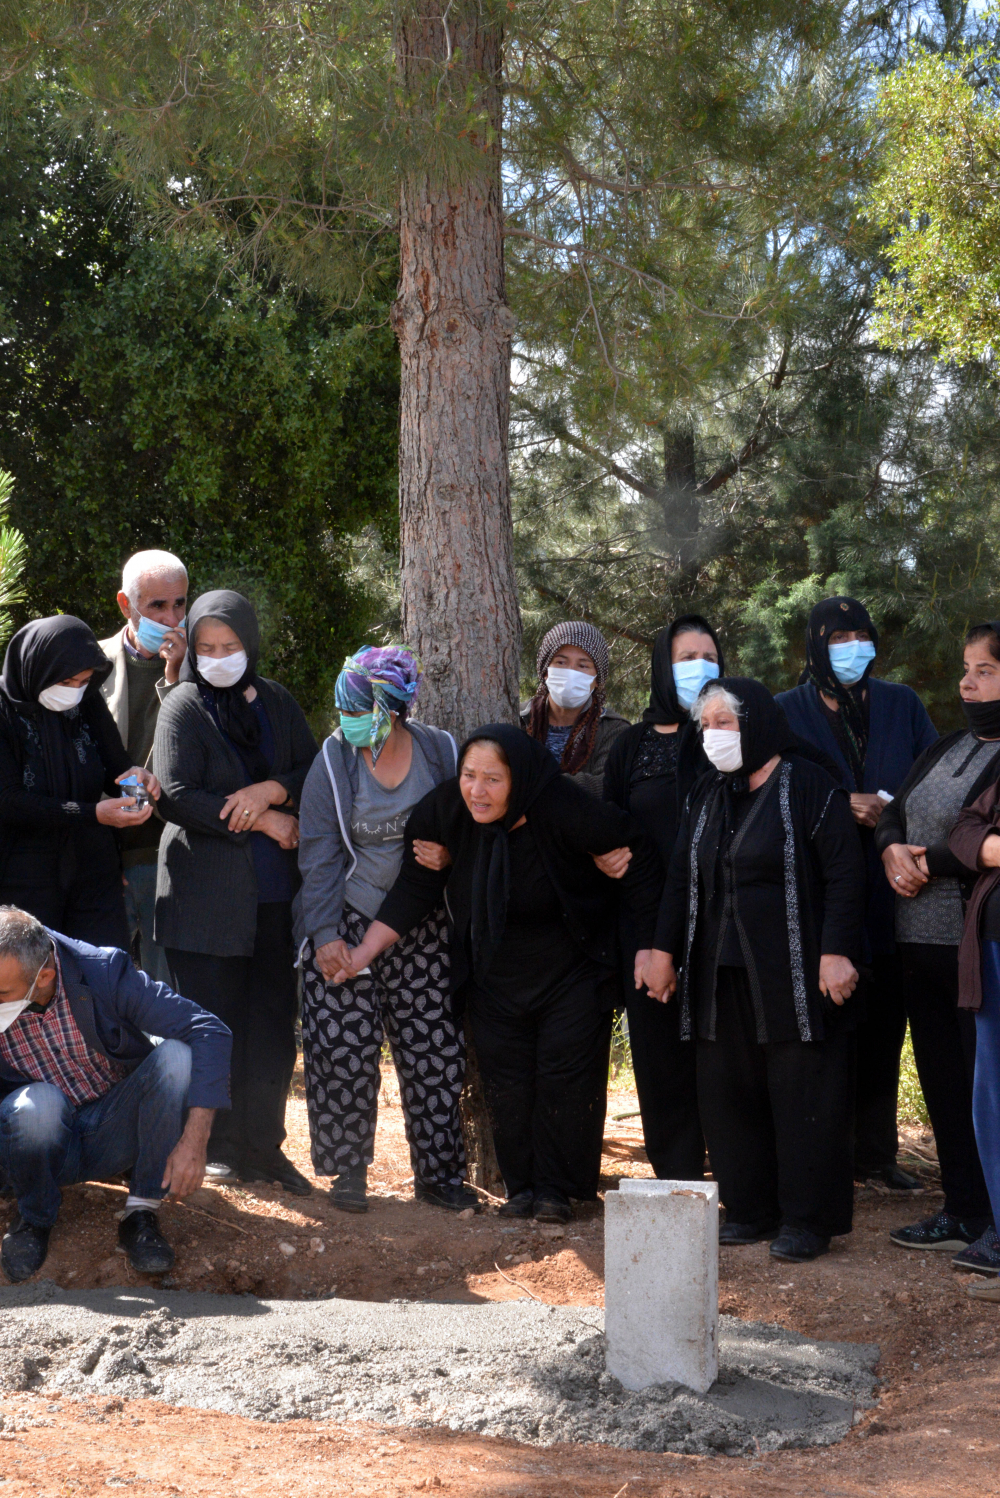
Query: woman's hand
x=333 y=957
x=122 y=811
x=659 y=976
x=866 y=808
x=144 y=777
x=838 y=978
x=250 y=802
x=614 y=864
x=281 y=826
x=431 y=855
x=353 y=964
x=989 y=853
x=903 y=868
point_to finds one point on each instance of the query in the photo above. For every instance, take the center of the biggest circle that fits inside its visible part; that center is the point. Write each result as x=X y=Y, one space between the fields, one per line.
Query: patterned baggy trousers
x=406 y=998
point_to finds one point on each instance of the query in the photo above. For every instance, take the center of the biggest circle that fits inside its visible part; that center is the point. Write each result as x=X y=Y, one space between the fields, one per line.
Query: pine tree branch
x=558 y=428
x=757 y=443
x=612 y=629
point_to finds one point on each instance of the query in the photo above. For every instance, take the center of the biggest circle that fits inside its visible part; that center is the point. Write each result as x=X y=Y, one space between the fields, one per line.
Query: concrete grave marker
x=661 y=1275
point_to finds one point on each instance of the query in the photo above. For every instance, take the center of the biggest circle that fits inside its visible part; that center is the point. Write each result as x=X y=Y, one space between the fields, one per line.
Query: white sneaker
x=218 y=1170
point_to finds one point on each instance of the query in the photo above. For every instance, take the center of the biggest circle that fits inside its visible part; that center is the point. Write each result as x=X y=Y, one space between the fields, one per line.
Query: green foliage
x=13 y=556
x=153 y=397
x=937 y=195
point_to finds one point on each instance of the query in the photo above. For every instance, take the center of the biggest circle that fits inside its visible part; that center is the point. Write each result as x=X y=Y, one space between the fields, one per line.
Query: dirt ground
x=935 y=1432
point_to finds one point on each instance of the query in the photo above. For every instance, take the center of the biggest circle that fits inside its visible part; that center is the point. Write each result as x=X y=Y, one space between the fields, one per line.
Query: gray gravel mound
x=529 y=1372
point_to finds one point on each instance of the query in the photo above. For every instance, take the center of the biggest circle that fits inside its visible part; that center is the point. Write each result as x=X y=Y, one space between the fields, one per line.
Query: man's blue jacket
x=117 y=1007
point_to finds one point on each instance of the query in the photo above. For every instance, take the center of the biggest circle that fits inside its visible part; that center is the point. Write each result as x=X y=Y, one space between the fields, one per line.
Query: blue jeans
x=986 y=1086
x=46 y=1142
x=140 y=904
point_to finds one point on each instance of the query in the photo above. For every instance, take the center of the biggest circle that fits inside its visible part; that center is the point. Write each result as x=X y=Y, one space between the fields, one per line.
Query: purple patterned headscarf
x=379 y=679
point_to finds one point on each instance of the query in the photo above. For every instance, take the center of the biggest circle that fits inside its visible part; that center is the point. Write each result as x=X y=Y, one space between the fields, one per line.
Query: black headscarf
x=663 y=704
x=532 y=768
x=983 y=718
x=764 y=729
x=764 y=732
x=39 y=655
x=824 y=620
x=237 y=718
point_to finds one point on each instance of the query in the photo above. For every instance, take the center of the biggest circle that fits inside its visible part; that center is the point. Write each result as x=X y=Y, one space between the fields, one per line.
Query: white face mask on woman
x=222 y=670
x=723 y=748
x=569 y=688
x=59 y=699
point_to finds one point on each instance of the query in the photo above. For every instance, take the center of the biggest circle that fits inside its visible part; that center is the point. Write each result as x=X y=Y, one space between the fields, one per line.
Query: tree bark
x=459 y=597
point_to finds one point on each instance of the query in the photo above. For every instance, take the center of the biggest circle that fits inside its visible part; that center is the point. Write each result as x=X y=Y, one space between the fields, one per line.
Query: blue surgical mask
x=150 y=635
x=850 y=660
x=690 y=677
x=357 y=731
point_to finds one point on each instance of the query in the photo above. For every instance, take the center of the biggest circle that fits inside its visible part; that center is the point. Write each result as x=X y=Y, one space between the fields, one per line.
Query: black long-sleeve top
x=568 y=825
x=772 y=888
x=206 y=886
x=34 y=823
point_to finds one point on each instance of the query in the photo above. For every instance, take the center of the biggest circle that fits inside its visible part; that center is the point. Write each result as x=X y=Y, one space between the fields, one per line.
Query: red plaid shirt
x=49 y=1047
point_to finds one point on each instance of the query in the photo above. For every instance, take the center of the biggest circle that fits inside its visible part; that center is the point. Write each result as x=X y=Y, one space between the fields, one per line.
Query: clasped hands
x=253 y=809
x=338 y=962
x=654 y=970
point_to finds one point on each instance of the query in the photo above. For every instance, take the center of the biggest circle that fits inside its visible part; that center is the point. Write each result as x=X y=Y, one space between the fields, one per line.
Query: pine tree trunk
x=459 y=597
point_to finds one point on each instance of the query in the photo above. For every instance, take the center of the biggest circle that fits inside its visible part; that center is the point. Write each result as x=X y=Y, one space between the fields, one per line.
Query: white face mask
x=9 y=1012
x=569 y=688
x=222 y=670
x=723 y=748
x=60 y=699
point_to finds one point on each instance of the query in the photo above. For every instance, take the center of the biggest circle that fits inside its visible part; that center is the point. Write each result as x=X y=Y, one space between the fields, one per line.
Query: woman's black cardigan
x=891 y=825
x=206 y=885
x=822 y=903
x=569 y=824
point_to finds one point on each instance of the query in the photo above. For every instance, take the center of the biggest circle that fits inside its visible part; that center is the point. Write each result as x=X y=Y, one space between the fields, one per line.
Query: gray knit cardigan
x=206 y=887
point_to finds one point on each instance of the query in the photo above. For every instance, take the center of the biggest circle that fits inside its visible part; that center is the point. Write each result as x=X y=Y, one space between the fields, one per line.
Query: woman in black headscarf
x=763 y=908
x=60 y=754
x=873 y=732
x=533 y=951
x=232 y=750
x=650 y=769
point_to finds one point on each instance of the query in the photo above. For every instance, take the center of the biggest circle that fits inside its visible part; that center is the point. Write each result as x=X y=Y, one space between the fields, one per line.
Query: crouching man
x=85 y=1095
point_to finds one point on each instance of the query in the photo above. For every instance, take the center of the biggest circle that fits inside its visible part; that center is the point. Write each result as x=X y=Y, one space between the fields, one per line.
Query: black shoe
x=551 y=1206
x=23 y=1250
x=444 y=1194
x=983 y=1256
x=521 y=1205
x=348 y=1192
x=798 y=1245
x=944 y=1231
x=277 y=1168
x=148 y=1251
x=892 y=1176
x=740 y=1234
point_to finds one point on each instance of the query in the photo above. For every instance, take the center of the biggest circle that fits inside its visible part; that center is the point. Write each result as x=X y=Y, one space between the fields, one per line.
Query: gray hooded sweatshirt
x=327 y=856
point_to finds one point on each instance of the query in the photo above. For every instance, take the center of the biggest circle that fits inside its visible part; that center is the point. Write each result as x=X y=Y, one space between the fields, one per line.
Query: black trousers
x=256 y=997
x=944 y=1048
x=778 y=1119
x=544 y=1064
x=667 y=1083
x=91 y=909
x=880 y=1043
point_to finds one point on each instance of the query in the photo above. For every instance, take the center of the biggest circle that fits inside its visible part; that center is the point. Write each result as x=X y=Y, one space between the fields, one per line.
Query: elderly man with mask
x=146 y=656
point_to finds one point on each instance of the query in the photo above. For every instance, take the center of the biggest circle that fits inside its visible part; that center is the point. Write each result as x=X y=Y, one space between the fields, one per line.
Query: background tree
x=13 y=555
x=152 y=397
x=629 y=132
